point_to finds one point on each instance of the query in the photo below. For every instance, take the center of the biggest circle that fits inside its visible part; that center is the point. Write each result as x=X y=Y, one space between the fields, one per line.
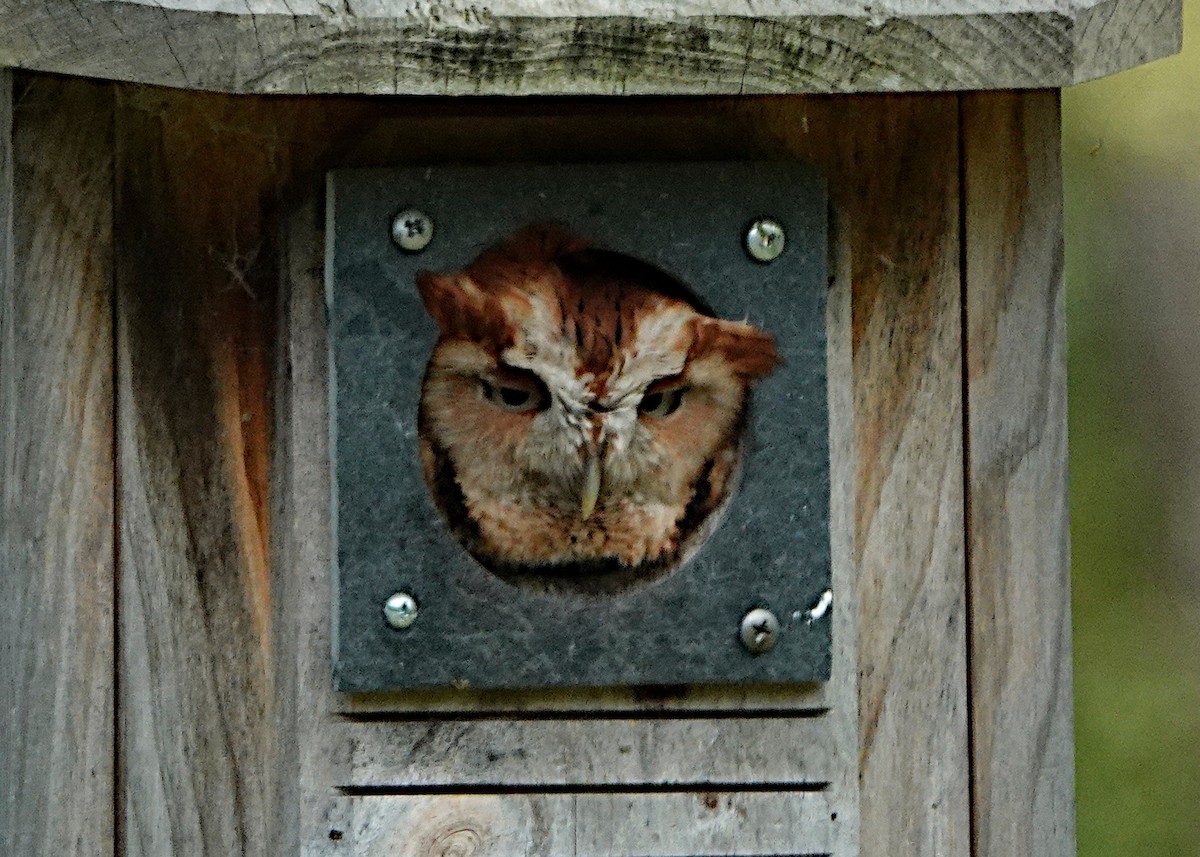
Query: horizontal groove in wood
x=700 y=824
x=684 y=701
x=784 y=752
x=582 y=714
x=585 y=789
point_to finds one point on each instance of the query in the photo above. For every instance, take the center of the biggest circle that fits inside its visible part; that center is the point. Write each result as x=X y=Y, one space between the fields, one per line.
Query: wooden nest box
x=168 y=542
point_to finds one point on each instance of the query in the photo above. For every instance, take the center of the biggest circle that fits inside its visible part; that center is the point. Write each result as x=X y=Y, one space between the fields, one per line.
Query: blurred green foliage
x=1136 y=612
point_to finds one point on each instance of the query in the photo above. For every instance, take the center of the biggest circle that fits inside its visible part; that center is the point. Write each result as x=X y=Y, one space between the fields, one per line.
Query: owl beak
x=591 y=484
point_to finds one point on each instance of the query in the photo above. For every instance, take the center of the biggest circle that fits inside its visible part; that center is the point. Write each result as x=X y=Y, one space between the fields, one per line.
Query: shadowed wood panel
x=526 y=47
x=800 y=751
x=1017 y=526
x=56 y=468
x=194 y=416
x=704 y=824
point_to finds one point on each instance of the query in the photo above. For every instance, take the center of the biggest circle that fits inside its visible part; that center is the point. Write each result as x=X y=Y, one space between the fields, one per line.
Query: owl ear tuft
x=750 y=352
x=460 y=308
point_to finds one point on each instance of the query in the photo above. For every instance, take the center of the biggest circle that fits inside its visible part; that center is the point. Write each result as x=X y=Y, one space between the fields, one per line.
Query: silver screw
x=400 y=610
x=765 y=240
x=760 y=630
x=412 y=230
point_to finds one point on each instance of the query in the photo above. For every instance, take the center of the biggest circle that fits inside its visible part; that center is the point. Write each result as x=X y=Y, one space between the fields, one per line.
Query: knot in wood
x=461 y=842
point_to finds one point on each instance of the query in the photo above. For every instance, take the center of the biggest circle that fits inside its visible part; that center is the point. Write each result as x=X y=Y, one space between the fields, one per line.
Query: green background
x=1131 y=148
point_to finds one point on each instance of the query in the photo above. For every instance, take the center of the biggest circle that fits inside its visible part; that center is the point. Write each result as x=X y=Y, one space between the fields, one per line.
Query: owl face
x=580 y=410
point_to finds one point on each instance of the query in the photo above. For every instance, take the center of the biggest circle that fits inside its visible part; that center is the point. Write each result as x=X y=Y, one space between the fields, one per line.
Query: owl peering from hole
x=581 y=408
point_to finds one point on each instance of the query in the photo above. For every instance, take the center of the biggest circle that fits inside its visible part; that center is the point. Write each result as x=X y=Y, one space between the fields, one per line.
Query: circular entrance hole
x=582 y=413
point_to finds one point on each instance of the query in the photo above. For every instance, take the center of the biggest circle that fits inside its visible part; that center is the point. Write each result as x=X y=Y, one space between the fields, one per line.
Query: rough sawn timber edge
x=601 y=47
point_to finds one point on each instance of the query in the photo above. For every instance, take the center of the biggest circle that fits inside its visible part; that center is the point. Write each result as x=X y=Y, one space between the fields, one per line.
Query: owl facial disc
x=582 y=409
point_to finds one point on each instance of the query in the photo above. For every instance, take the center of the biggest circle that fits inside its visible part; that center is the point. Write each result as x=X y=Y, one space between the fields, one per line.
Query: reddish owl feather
x=581 y=409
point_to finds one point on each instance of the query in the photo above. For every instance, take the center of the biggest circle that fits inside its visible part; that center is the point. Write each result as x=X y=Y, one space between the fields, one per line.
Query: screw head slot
x=400 y=610
x=765 y=240
x=412 y=230
x=759 y=631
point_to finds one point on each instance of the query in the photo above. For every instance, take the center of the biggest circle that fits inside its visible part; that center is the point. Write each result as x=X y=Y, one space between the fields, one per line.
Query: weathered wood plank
x=314 y=756
x=708 y=824
x=56 y=468
x=1017 y=519
x=704 y=824
x=842 y=691
x=9 y=582
x=194 y=420
x=603 y=752
x=909 y=526
x=524 y=47
x=893 y=176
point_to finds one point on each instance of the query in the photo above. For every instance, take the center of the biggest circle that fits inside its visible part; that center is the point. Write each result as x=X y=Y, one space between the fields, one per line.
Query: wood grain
x=56 y=468
x=706 y=824
x=231 y=739
x=614 y=752
x=892 y=164
x=194 y=416
x=525 y=47
x=1018 y=537
x=8 y=418
x=894 y=168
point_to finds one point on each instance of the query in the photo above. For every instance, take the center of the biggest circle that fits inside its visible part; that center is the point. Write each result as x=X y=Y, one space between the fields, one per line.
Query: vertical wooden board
x=316 y=817
x=1017 y=514
x=56 y=468
x=194 y=415
x=912 y=612
x=903 y=218
x=843 y=681
x=893 y=175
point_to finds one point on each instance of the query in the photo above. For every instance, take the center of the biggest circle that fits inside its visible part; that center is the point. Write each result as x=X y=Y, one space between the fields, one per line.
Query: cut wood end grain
x=588 y=47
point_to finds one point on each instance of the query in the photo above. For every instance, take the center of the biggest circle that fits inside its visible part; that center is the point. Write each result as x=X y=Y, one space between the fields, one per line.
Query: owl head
x=581 y=409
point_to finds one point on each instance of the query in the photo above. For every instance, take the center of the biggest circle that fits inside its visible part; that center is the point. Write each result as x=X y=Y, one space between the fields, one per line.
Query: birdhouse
x=668 y=461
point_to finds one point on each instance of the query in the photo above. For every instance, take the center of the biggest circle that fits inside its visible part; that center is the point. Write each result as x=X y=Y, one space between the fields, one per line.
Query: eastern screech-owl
x=581 y=410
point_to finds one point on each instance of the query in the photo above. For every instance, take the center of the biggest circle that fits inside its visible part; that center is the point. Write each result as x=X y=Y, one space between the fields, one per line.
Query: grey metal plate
x=475 y=629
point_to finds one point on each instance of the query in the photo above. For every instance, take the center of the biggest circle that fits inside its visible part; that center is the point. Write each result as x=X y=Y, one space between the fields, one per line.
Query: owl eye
x=661 y=403
x=518 y=395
